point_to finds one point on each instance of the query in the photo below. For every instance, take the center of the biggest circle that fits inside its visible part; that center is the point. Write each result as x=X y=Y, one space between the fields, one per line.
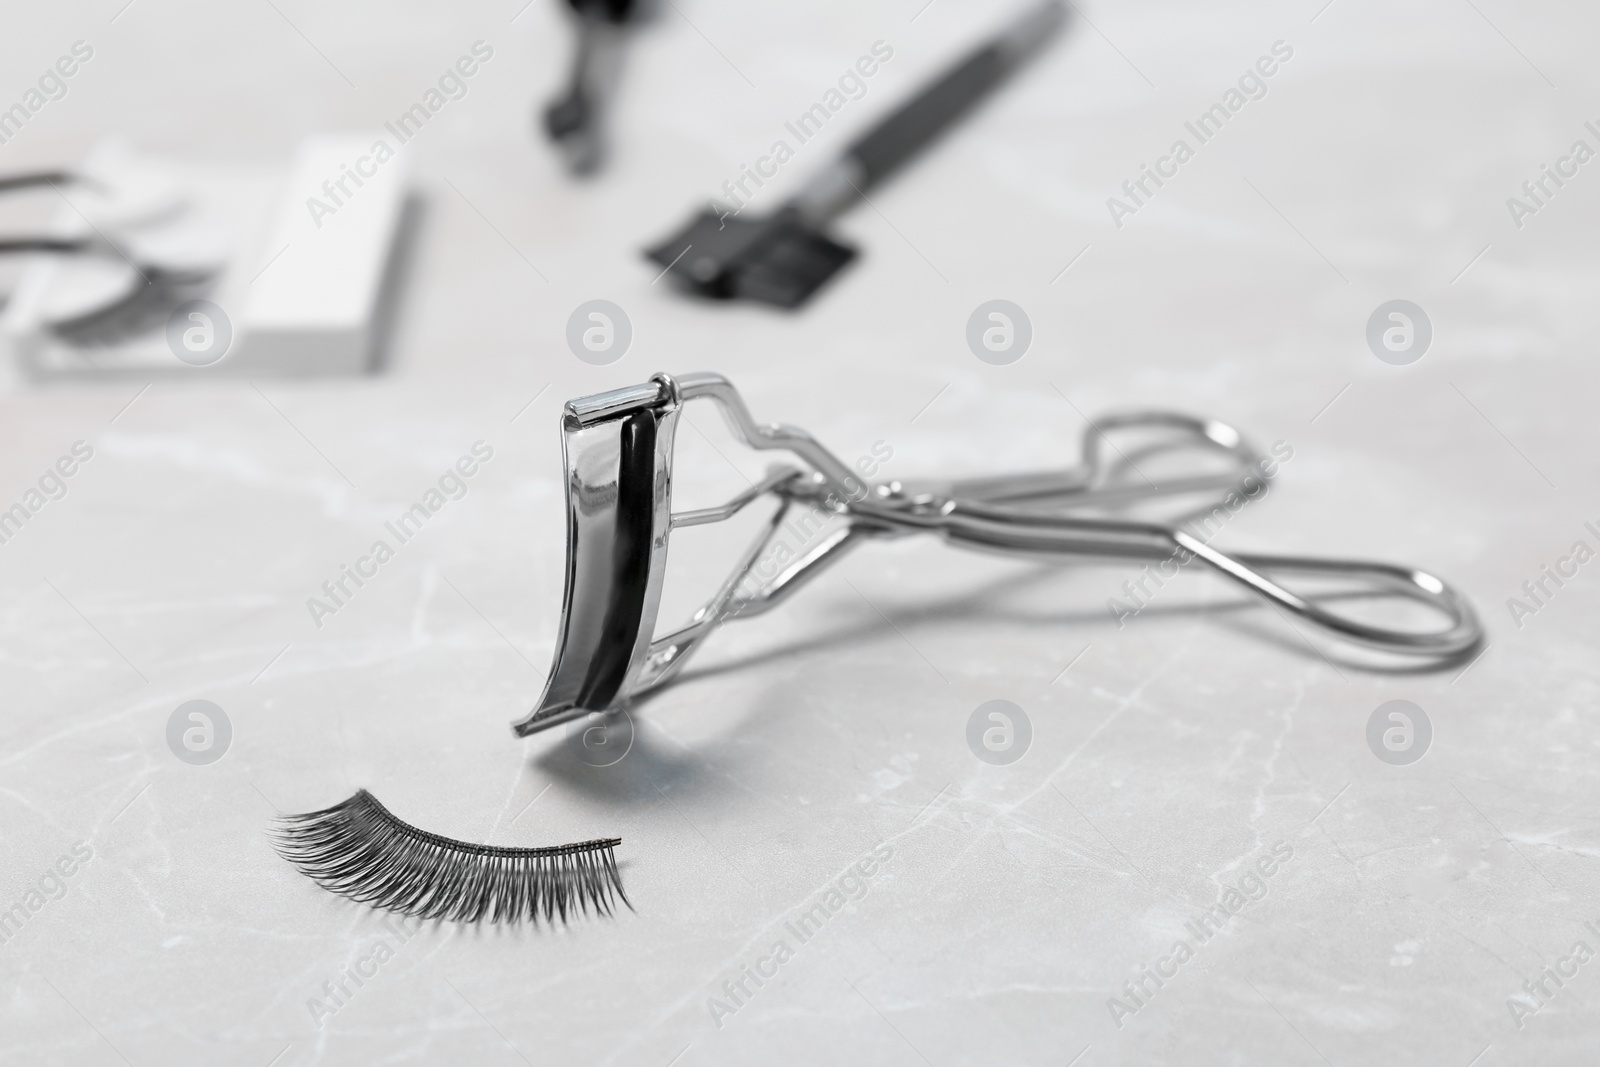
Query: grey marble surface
x=1015 y=902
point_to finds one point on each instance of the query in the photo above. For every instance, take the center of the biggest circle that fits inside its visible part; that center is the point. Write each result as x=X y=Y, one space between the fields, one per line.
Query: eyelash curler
x=618 y=449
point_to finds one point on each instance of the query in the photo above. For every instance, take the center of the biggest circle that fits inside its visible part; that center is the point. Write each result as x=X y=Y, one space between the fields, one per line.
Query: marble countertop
x=808 y=783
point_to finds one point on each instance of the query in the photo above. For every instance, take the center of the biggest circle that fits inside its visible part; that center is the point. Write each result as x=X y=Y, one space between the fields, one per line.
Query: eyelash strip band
x=360 y=850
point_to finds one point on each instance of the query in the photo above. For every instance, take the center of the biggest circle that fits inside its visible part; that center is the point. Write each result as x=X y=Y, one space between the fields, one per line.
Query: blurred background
x=177 y=562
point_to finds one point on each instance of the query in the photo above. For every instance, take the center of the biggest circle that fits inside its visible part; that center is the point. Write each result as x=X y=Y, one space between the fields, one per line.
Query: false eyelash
x=360 y=850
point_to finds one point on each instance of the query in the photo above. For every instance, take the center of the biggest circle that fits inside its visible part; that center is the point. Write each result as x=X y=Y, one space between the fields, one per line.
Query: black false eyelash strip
x=359 y=849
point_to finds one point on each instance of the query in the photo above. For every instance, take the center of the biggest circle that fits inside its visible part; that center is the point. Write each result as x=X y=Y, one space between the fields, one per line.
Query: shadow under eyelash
x=360 y=850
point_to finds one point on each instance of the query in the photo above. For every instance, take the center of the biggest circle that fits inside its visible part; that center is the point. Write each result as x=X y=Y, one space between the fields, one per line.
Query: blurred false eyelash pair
x=117 y=288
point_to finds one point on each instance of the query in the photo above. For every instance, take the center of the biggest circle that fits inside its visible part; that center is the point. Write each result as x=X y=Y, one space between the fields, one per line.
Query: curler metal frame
x=617 y=447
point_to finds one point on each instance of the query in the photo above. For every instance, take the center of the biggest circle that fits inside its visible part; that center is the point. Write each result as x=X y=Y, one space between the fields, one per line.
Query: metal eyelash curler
x=618 y=447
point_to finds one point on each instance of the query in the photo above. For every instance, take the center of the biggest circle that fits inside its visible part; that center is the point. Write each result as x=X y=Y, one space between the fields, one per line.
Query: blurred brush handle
x=904 y=132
